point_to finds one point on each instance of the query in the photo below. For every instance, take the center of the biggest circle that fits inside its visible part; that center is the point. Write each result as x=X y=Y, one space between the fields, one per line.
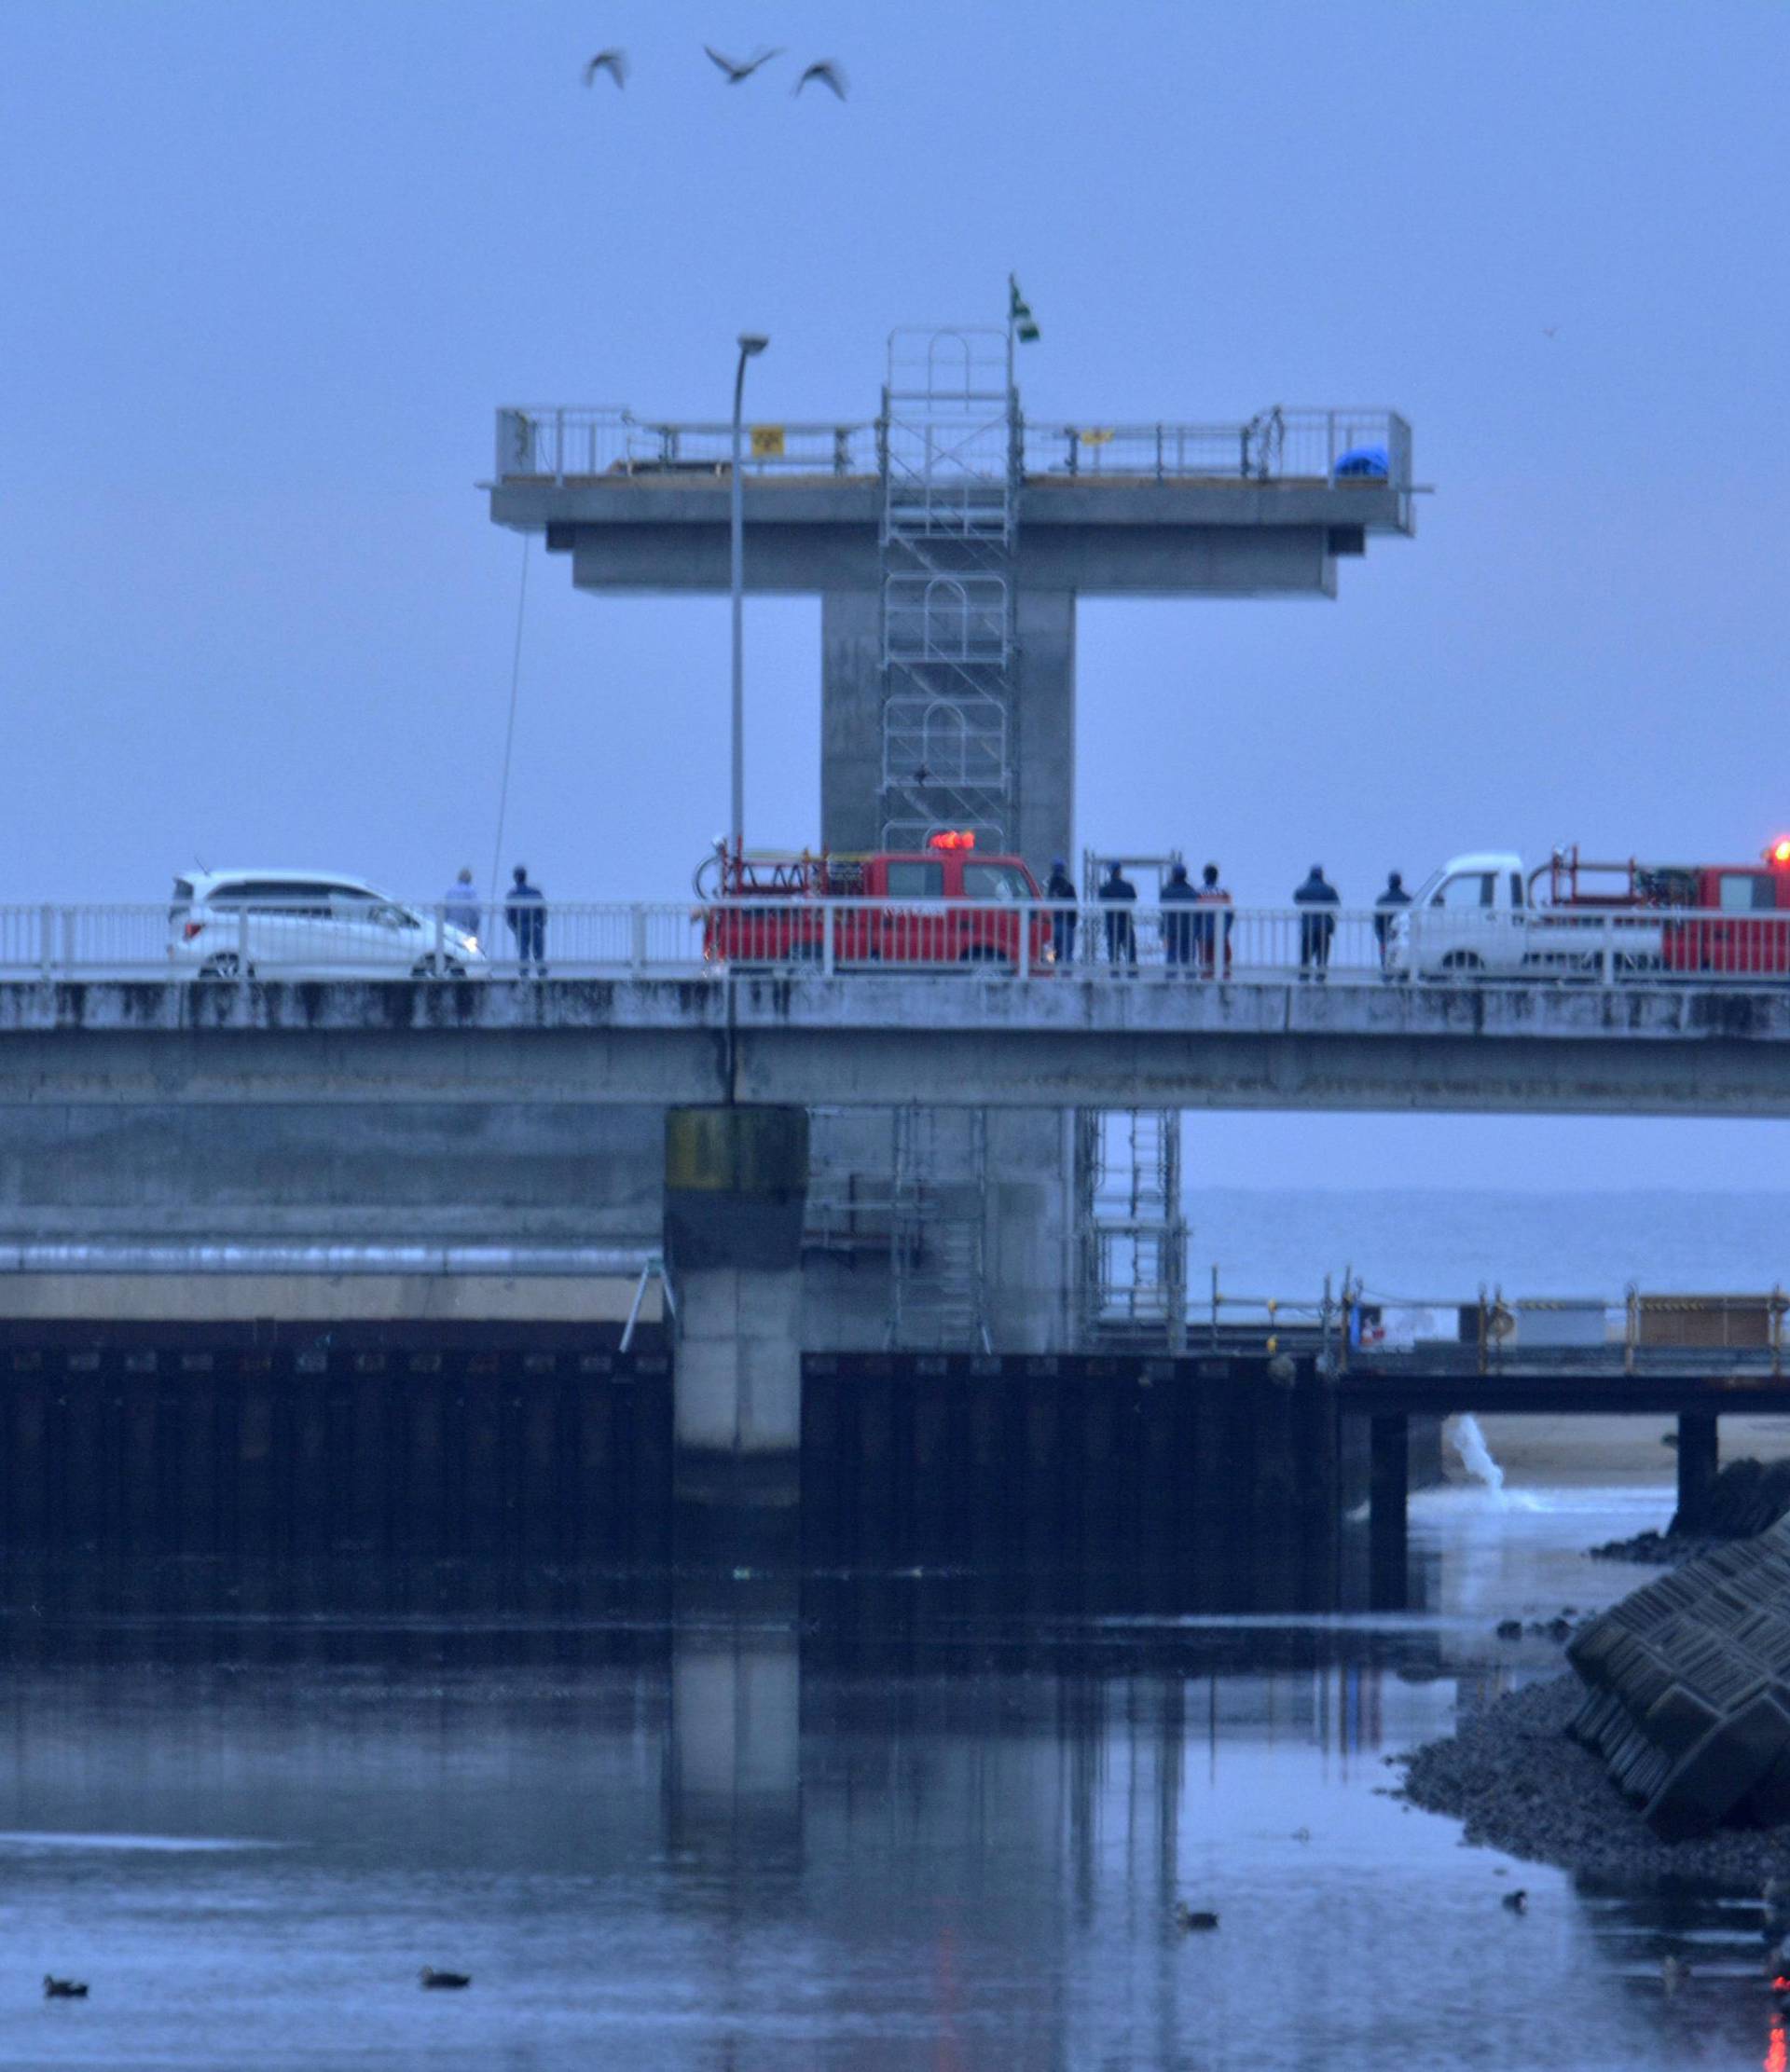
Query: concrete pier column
x=1040 y=750
x=735 y=1187
x=1388 y=1491
x=1699 y=1463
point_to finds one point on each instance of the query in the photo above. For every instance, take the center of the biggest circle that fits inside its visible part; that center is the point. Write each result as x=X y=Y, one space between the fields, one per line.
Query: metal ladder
x=936 y=1268
x=949 y=455
x=1131 y=1226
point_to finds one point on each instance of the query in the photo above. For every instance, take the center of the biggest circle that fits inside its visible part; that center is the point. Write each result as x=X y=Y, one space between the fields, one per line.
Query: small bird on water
x=63 y=1989
x=1189 y=1918
x=443 y=1981
x=1516 y=1900
x=612 y=61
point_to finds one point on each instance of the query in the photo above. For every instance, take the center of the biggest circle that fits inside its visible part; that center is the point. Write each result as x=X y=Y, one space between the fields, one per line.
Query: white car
x=309 y=924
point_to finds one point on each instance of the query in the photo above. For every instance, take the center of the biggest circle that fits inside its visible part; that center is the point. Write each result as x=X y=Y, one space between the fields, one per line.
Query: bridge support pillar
x=736 y=1185
x=1388 y=1490
x=1699 y=1462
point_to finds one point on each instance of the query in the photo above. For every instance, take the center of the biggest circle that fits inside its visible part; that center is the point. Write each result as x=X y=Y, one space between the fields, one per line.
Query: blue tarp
x=1368 y=463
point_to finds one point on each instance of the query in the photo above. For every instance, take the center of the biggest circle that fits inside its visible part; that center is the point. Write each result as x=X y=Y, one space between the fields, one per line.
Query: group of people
x=525 y=914
x=1196 y=923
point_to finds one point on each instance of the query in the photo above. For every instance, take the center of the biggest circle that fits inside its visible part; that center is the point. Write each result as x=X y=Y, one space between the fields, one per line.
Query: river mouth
x=756 y=1821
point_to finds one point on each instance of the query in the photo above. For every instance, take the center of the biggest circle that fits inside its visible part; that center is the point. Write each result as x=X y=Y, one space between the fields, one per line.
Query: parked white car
x=309 y=924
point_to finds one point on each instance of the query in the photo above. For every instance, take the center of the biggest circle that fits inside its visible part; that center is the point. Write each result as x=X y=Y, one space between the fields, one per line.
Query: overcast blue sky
x=268 y=269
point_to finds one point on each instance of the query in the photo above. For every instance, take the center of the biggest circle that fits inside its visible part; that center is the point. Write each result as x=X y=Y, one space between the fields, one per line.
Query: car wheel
x=226 y=965
x=1465 y=964
x=448 y=968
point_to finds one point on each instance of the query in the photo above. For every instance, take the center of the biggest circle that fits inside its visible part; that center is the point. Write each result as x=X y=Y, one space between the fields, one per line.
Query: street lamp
x=749 y=344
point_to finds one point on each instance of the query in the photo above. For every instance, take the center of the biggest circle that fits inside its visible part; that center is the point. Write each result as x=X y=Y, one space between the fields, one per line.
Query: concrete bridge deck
x=879 y=1040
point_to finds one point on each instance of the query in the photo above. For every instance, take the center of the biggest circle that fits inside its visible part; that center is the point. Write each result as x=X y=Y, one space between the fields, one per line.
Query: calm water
x=744 y=1823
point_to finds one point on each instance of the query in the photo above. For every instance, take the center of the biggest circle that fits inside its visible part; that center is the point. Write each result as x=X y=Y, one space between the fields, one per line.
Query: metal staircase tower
x=937 y=1297
x=950 y=456
x=1131 y=1227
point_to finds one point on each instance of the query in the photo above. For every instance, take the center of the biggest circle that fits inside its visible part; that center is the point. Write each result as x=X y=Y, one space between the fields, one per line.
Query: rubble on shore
x=1510 y=1774
x=1749 y=1498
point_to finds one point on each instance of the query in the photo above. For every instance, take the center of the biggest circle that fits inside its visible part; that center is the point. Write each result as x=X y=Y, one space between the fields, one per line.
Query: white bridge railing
x=1369 y=447
x=1000 y=940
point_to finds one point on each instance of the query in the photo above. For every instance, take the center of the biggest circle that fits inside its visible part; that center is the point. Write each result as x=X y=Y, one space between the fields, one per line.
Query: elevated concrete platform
x=872 y=1041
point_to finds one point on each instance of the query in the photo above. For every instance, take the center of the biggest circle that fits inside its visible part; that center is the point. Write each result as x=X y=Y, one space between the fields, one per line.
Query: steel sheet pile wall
x=1204 y=1465
x=1689 y=1685
x=273 y=1441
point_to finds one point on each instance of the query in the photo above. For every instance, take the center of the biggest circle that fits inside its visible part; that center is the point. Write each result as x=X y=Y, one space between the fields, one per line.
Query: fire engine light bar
x=953 y=838
x=1779 y=850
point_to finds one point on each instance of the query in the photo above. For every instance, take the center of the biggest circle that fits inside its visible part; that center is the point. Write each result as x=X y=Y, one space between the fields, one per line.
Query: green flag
x=1019 y=313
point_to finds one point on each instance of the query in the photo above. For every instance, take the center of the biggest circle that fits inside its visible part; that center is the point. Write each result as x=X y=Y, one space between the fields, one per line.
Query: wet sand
x=1577 y=1452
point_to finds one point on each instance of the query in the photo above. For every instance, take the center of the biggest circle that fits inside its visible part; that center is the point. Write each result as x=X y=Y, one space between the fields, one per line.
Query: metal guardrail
x=995 y=939
x=1371 y=448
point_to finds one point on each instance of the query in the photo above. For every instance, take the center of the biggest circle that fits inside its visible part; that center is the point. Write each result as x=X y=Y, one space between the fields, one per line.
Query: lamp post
x=749 y=344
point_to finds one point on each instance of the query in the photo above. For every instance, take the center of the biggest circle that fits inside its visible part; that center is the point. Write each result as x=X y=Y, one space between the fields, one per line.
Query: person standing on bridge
x=1177 y=927
x=1060 y=892
x=1384 y=907
x=459 y=907
x=1119 y=895
x=1318 y=900
x=1211 y=896
x=526 y=912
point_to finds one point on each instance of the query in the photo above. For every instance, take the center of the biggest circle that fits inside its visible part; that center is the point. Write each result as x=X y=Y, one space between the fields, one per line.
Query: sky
x=270 y=269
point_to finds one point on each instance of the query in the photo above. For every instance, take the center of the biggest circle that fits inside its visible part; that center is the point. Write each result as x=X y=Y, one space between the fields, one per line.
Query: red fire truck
x=1726 y=918
x=941 y=906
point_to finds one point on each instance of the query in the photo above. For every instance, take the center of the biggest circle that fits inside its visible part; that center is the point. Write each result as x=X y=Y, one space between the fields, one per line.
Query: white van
x=308 y=925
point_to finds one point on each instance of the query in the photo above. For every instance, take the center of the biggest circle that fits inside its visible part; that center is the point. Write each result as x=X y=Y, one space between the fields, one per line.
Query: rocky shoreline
x=1510 y=1774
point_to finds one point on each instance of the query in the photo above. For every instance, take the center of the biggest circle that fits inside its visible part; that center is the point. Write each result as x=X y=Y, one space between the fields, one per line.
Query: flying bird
x=735 y=71
x=827 y=74
x=612 y=61
x=1549 y=330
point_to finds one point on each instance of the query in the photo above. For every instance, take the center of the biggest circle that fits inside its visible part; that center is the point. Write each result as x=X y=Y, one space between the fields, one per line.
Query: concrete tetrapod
x=1688 y=1690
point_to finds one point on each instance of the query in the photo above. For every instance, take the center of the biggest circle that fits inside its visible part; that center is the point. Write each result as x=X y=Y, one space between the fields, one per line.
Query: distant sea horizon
x=1431 y=1244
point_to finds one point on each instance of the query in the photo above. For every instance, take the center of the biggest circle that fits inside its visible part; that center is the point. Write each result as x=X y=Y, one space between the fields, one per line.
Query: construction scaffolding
x=950 y=456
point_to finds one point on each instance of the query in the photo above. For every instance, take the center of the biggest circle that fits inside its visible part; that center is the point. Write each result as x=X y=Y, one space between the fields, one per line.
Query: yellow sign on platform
x=1097 y=435
x=768 y=442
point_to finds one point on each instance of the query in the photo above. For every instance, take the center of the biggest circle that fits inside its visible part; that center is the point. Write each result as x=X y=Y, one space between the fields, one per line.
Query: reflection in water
x=771 y=1823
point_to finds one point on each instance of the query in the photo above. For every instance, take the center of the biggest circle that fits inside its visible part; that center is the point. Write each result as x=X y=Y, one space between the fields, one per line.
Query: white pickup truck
x=1478 y=915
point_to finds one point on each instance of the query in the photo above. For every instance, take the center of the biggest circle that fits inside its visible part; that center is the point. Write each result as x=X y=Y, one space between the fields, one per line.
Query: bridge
x=872 y=1040
x=635 y=1018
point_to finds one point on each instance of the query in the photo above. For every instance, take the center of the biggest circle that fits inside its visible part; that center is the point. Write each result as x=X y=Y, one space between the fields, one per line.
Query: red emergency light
x=963 y=838
x=1779 y=851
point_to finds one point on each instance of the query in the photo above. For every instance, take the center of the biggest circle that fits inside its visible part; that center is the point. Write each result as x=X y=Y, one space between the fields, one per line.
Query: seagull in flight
x=1549 y=330
x=827 y=74
x=735 y=71
x=612 y=61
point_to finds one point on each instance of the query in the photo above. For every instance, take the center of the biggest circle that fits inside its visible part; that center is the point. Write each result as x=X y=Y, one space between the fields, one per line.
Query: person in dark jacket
x=1384 y=907
x=1316 y=900
x=1177 y=926
x=1061 y=891
x=1122 y=934
x=1210 y=897
x=525 y=909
